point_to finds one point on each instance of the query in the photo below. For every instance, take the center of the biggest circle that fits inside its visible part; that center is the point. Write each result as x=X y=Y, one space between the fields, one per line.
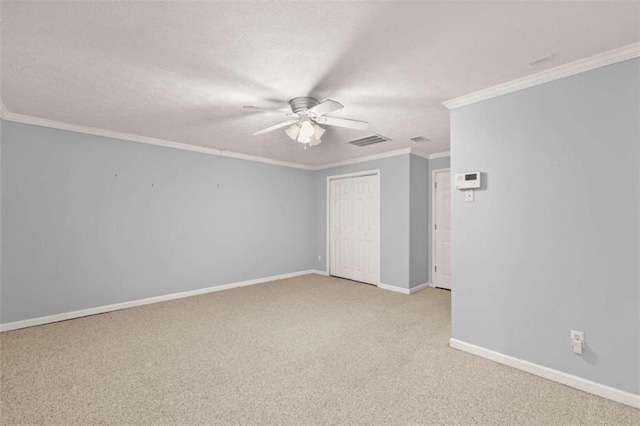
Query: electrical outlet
x=577 y=341
x=319 y=258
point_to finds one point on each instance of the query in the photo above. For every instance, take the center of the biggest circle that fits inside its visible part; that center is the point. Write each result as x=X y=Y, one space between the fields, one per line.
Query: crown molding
x=430 y=156
x=36 y=121
x=440 y=155
x=25 y=119
x=395 y=153
x=600 y=60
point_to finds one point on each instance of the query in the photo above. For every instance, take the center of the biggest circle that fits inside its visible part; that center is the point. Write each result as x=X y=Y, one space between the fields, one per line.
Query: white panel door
x=354 y=228
x=442 y=230
x=365 y=229
x=341 y=233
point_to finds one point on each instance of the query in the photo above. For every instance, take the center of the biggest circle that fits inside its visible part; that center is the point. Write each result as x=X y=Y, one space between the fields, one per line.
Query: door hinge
x=435 y=269
x=435 y=226
x=435 y=185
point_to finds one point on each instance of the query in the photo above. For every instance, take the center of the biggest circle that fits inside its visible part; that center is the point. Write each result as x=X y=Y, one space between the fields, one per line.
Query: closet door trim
x=375 y=172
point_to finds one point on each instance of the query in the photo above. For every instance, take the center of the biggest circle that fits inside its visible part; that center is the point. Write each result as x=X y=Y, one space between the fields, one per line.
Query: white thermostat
x=469 y=180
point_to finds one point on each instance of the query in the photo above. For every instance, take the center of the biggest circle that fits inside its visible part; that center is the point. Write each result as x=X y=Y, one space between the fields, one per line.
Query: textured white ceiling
x=181 y=71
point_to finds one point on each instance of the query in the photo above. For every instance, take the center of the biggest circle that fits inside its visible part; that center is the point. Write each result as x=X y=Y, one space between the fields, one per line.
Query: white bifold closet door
x=354 y=217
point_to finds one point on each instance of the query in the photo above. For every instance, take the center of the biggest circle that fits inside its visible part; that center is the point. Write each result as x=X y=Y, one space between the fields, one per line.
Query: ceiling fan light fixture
x=308 y=113
x=306 y=131
x=293 y=132
x=312 y=135
x=318 y=131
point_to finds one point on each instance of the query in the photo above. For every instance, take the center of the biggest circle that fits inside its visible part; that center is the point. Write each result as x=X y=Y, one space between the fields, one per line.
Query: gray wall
x=421 y=269
x=419 y=220
x=551 y=242
x=1 y=132
x=76 y=236
x=394 y=216
x=91 y=221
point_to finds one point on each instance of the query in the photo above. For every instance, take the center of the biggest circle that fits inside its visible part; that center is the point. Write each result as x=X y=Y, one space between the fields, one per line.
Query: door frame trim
x=433 y=218
x=327 y=258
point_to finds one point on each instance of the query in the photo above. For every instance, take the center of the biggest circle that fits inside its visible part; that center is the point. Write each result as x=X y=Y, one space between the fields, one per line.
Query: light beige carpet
x=308 y=350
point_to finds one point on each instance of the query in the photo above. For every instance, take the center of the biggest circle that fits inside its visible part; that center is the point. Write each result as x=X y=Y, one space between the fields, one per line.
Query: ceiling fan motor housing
x=302 y=104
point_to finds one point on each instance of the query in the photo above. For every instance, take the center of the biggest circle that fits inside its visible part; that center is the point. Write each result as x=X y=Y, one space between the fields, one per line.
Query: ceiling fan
x=307 y=113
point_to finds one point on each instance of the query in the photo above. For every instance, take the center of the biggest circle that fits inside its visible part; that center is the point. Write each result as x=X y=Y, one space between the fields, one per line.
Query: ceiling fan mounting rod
x=302 y=104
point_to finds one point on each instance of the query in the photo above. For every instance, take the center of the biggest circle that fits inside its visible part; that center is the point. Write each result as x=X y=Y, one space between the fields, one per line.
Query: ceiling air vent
x=368 y=140
x=420 y=139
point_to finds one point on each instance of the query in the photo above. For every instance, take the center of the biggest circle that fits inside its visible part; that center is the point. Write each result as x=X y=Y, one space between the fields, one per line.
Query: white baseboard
x=576 y=382
x=140 y=302
x=419 y=287
x=403 y=290
x=393 y=288
x=319 y=272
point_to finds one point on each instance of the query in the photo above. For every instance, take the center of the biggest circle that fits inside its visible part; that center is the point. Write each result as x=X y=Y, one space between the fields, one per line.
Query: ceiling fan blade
x=326 y=107
x=255 y=108
x=343 y=122
x=276 y=127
